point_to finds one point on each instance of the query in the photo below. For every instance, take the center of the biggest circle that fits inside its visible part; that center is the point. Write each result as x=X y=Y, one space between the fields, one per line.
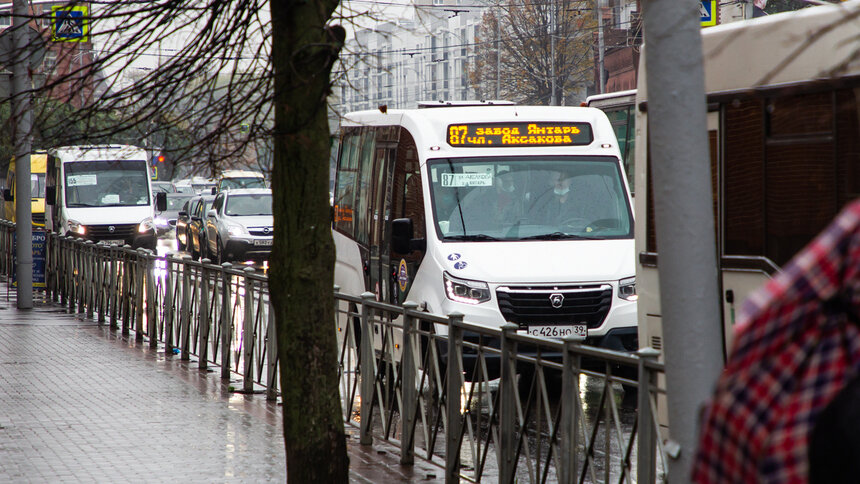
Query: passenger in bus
x=574 y=202
x=488 y=209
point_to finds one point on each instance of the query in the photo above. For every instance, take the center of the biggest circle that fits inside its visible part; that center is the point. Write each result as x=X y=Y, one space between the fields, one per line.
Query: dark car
x=195 y=230
x=239 y=226
x=183 y=218
x=166 y=221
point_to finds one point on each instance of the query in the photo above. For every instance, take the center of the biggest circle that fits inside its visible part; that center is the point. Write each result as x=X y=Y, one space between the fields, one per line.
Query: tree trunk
x=302 y=266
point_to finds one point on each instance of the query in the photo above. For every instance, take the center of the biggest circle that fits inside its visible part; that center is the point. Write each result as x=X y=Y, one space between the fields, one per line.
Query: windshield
x=244 y=205
x=106 y=183
x=522 y=198
x=249 y=182
x=37 y=185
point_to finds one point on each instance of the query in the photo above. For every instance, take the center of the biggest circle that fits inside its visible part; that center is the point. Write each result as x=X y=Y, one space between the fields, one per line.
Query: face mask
x=561 y=191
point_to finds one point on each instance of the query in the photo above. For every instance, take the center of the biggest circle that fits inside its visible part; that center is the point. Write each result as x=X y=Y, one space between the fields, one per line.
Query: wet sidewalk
x=80 y=403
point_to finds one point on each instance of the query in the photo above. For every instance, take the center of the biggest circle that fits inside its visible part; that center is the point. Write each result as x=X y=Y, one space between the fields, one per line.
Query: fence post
x=248 y=333
x=140 y=267
x=452 y=402
x=226 y=320
x=410 y=392
x=113 y=284
x=185 y=309
x=366 y=364
x=89 y=290
x=569 y=411
x=203 y=311
x=271 y=355
x=646 y=467
x=101 y=293
x=507 y=404
x=168 y=307
x=127 y=272
x=151 y=304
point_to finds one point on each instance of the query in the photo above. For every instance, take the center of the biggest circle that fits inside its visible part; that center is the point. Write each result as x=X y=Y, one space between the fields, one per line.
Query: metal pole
x=21 y=86
x=366 y=363
x=682 y=192
x=498 y=56
x=454 y=426
x=410 y=392
x=552 y=28
x=601 y=47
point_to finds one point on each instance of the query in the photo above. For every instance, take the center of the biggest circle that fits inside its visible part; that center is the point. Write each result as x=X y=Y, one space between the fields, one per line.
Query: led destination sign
x=492 y=135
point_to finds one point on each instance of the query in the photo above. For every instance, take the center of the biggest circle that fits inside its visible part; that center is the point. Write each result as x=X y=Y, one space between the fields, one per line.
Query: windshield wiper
x=471 y=237
x=556 y=236
x=75 y=205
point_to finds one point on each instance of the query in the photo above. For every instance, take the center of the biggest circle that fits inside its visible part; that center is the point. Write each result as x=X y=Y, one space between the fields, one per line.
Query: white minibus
x=101 y=193
x=503 y=213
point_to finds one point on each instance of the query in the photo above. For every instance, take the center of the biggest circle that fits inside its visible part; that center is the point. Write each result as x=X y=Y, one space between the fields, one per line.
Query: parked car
x=165 y=221
x=195 y=232
x=183 y=218
x=239 y=226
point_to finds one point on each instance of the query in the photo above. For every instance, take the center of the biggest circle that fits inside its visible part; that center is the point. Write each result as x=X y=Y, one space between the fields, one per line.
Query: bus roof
x=610 y=98
x=430 y=126
x=813 y=43
x=98 y=153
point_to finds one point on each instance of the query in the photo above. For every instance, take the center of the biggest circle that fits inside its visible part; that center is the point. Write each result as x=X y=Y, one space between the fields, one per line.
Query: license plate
x=579 y=331
x=263 y=242
x=114 y=242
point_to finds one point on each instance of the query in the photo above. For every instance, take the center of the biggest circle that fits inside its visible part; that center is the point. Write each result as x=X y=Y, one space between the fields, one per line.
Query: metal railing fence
x=509 y=408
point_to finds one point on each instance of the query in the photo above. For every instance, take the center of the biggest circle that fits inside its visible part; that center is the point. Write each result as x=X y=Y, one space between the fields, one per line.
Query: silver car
x=239 y=226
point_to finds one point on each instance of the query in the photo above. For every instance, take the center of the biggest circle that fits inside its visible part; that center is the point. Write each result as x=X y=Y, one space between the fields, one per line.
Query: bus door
x=407 y=203
x=380 y=212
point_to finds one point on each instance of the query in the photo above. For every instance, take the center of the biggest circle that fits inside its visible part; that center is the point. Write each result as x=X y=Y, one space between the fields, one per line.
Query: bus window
x=347 y=177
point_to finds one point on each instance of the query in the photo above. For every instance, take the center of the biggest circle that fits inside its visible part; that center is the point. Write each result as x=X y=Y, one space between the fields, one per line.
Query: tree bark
x=302 y=264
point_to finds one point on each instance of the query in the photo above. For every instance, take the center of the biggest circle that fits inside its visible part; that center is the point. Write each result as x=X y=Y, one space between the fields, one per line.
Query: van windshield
x=106 y=183
x=529 y=198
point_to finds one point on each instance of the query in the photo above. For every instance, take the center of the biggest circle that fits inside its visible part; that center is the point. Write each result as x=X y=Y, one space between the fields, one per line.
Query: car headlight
x=77 y=228
x=466 y=291
x=146 y=226
x=235 y=230
x=627 y=289
x=161 y=222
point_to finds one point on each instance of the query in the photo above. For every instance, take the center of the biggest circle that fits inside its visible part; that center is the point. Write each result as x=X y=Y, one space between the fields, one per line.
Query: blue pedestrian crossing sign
x=70 y=24
x=708 y=13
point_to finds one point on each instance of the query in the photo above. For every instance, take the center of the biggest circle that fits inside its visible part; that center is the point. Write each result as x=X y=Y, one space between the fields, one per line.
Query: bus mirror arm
x=50 y=193
x=418 y=244
x=7 y=195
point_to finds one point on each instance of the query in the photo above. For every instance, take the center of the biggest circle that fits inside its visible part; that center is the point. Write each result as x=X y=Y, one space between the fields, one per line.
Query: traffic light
x=160 y=159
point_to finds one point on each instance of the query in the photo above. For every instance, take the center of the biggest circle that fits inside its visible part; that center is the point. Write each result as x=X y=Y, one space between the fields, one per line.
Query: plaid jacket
x=795 y=348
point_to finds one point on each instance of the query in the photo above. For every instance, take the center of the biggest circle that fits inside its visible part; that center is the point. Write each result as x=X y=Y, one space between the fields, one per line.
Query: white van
x=504 y=213
x=101 y=193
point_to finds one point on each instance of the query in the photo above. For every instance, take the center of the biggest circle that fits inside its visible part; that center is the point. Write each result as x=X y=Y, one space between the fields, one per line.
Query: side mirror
x=7 y=195
x=214 y=190
x=50 y=194
x=182 y=213
x=211 y=213
x=401 y=235
x=161 y=201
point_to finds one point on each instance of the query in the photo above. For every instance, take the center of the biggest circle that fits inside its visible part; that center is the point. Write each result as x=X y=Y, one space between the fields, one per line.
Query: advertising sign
x=39 y=250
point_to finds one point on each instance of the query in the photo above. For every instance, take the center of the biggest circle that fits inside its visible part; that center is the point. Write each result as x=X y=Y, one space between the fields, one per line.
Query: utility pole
x=21 y=88
x=498 y=55
x=552 y=32
x=601 y=48
x=689 y=291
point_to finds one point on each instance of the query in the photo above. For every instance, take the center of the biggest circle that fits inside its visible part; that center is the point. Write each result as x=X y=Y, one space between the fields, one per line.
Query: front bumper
x=242 y=250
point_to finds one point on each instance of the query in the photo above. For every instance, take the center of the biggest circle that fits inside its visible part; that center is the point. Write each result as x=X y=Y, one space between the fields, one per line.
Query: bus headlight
x=146 y=226
x=466 y=291
x=627 y=289
x=77 y=228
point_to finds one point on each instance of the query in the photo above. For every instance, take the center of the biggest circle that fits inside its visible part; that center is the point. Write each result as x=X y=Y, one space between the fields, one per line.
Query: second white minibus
x=503 y=213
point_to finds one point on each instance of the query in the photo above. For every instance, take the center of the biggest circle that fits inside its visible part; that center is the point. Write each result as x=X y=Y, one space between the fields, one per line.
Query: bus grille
x=532 y=305
x=120 y=231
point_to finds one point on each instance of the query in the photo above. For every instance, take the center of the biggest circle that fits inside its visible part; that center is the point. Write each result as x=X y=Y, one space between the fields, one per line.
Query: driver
x=559 y=204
